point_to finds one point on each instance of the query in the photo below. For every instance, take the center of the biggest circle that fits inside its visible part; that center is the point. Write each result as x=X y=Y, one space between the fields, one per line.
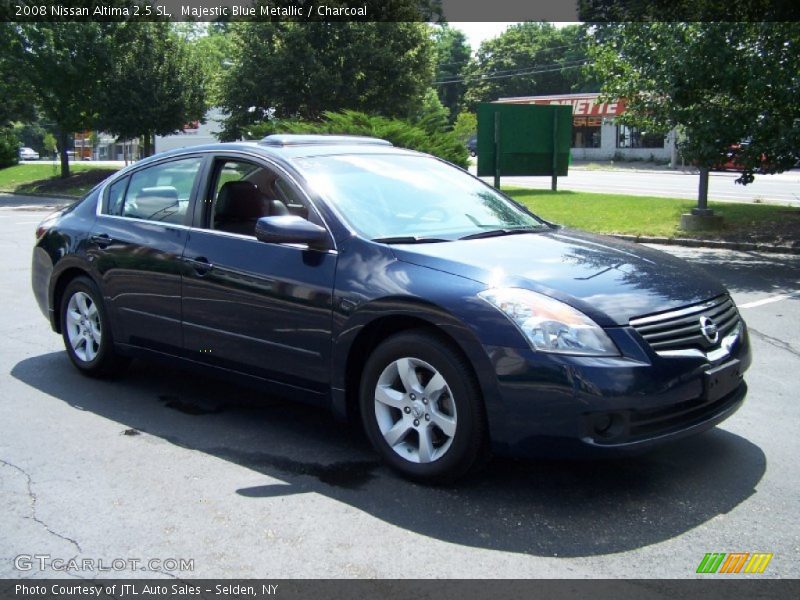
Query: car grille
x=681 y=329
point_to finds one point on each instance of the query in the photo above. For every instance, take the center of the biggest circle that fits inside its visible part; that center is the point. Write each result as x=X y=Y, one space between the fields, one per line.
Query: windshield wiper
x=499 y=232
x=409 y=239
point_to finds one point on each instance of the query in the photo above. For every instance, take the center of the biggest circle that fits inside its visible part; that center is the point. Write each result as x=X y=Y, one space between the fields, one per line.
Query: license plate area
x=722 y=380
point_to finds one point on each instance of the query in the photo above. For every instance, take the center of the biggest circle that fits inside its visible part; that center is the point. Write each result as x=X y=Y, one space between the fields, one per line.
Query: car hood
x=610 y=280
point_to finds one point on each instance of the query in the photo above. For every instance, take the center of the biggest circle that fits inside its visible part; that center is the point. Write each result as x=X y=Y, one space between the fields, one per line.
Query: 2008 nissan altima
x=391 y=286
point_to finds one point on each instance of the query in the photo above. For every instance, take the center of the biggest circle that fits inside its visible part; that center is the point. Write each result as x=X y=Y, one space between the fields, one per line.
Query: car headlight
x=550 y=325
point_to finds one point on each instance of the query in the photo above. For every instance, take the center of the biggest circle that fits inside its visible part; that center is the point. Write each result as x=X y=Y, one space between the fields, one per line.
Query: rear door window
x=159 y=193
x=116 y=196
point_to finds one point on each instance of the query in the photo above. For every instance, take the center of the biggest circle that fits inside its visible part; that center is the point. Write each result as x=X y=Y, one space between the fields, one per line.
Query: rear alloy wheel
x=421 y=408
x=85 y=330
x=83 y=327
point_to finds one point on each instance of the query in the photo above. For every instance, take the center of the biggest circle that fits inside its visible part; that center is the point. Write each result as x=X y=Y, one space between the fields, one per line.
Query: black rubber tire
x=107 y=363
x=469 y=449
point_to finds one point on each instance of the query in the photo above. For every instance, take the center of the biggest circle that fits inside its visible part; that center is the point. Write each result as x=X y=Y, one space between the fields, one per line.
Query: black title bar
x=400 y=10
x=713 y=588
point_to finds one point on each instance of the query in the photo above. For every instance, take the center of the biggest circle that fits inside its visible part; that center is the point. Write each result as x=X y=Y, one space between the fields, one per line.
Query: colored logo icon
x=734 y=562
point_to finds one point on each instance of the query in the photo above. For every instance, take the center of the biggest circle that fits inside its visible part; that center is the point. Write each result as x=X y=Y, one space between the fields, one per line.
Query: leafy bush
x=404 y=134
x=466 y=126
x=9 y=148
x=432 y=115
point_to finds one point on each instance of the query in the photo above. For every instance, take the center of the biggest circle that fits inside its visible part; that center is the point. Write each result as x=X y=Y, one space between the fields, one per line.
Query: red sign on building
x=583 y=105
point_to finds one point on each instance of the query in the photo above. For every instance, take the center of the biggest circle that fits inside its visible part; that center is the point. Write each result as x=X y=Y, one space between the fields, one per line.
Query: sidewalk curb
x=34 y=195
x=665 y=171
x=695 y=243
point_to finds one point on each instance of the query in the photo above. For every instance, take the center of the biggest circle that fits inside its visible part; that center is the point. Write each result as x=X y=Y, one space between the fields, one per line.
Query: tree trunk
x=673 y=157
x=62 y=150
x=702 y=195
x=148 y=144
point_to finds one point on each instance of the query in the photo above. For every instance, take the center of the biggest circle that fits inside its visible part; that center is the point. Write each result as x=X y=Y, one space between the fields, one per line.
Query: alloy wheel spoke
x=80 y=300
x=94 y=330
x=397 y=432
x=386 y=395
x=91 y=312
x=73 y=316
x=425 y=445
x=408 y=375
x=76 y=341
x=444 y=422
x=91 y=352
x=435 y=387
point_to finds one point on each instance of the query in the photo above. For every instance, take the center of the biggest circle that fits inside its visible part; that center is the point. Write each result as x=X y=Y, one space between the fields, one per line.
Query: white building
x=595 y=134
x=193 y=134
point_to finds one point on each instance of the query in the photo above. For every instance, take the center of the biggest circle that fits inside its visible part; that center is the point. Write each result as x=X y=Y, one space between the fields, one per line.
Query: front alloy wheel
x=415 y=410
x=422 y=408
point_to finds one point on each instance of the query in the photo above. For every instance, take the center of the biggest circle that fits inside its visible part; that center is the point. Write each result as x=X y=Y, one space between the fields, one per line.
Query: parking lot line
x=769 y=300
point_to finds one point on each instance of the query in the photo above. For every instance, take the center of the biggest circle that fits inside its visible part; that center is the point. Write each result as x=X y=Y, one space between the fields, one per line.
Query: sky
x=477 y=32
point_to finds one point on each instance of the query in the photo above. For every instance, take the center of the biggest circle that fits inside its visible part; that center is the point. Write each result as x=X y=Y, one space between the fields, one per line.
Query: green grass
x=651 y=216
x=44 y=179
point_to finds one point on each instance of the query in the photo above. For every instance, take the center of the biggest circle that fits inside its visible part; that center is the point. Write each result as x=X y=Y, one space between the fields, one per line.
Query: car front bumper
x=561 y=405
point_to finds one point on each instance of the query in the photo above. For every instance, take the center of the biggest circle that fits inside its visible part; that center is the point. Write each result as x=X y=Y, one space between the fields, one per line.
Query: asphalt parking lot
x=166 y=465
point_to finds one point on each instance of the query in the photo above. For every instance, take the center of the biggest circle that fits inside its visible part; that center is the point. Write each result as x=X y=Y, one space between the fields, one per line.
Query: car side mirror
x=289 y=229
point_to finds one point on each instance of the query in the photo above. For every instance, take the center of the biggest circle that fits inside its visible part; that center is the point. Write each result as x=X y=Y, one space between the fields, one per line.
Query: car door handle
x=200 y=264
x=101 y=239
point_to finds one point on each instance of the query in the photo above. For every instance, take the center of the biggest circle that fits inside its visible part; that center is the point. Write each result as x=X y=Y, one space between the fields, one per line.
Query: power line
x=577 y=44
x=520 y=73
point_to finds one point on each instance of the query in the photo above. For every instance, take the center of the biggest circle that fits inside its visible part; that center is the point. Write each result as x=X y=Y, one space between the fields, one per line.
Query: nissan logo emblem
x=709 y=329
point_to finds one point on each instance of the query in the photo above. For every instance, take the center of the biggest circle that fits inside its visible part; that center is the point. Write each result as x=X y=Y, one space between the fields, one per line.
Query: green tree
x=303 y=69
x=9 y=147
x=530 y=59
x=63 y=64
x=154 y=86
x=15 y=91
x=720 y=83
x=214 y=49
x=452 y=58
x=49 y=143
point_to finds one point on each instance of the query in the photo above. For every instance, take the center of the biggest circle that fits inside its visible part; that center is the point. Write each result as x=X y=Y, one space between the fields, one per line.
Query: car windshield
x=392 y=197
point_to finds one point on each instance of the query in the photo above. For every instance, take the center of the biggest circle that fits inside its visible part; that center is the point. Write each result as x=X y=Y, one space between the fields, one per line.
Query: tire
x=86 y=331
x=422 y=409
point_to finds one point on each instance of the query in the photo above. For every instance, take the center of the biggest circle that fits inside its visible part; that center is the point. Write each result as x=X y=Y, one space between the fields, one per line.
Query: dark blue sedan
x=391 y=286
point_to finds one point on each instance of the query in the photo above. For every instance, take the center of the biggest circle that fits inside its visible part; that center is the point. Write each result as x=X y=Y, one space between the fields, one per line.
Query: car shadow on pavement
x=747 y=272
x=543 y=508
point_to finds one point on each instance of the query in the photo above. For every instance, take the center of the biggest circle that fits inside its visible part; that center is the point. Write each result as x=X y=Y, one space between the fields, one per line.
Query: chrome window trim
x=127 y=171
x=241 y=236
x=252 y=238
x=136 y=220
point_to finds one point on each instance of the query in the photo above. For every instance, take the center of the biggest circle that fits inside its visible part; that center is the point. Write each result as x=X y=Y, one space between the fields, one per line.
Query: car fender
x=409 y=309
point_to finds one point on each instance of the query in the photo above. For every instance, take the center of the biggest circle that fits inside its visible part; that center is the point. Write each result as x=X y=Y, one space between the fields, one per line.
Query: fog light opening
x=608 y=425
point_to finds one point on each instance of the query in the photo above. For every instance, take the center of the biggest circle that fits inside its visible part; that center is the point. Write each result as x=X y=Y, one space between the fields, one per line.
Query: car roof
x=285 y=148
